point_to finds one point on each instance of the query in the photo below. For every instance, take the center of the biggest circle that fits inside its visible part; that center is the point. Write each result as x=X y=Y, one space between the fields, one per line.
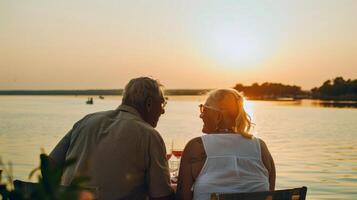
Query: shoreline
x=168 y=92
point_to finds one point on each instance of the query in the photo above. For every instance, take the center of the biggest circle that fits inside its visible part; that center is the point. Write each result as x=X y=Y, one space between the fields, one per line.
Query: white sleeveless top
x=233 y=165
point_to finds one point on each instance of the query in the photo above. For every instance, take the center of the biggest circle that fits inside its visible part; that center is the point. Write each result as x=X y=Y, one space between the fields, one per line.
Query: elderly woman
x=227 y=159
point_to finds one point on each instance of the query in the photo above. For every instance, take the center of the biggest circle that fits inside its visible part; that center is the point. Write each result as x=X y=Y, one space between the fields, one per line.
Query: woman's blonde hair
x=230 y=103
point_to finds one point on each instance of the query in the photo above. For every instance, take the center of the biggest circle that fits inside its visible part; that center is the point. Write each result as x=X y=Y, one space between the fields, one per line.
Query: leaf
x=33 y=172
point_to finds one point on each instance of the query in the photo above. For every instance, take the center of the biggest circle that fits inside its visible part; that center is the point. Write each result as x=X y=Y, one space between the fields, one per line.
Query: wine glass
x=168 y=156
x=175 y=161
x=177 y=153
x=169 y=152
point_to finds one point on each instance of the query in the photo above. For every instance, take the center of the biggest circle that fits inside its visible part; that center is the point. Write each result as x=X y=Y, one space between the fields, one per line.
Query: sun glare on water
x=249 y=107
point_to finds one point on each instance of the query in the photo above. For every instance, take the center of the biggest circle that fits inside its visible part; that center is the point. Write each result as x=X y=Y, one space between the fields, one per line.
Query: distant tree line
x=270 y=91
x=336 y=89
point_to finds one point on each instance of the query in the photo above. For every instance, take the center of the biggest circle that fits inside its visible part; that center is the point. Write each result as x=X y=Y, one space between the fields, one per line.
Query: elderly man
x=120 y=150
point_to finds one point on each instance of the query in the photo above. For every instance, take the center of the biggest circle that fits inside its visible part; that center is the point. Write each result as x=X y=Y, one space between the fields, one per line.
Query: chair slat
x=288 y=194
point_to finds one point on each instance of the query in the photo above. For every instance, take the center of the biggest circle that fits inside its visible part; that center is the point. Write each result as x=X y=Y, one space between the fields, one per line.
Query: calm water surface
x=312 y=145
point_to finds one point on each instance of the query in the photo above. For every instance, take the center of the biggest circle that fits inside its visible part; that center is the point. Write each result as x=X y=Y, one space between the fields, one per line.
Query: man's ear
x=148 y=104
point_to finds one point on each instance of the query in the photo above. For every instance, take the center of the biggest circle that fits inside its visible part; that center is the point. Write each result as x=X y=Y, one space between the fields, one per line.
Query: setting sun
x=235 y=48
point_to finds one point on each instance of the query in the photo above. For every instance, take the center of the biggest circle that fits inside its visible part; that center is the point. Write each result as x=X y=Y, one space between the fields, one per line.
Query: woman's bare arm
x=269 y=164
x=185 y=179
x=192 y=161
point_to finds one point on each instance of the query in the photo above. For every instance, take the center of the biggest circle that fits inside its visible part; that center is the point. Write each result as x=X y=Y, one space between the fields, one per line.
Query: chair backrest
x=289 y=194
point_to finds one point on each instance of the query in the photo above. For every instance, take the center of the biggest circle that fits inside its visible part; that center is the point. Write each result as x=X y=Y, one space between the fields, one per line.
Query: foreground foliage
x=48 y=186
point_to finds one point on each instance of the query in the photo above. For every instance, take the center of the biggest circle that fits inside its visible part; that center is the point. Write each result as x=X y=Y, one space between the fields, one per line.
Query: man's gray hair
x=139 y=89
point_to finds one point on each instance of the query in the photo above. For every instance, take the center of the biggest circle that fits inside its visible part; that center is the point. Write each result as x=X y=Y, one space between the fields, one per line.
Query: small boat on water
x=89 y=100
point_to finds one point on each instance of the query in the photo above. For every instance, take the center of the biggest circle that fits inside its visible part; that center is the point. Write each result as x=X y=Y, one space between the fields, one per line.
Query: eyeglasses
x=203 y=107
x=163 y=102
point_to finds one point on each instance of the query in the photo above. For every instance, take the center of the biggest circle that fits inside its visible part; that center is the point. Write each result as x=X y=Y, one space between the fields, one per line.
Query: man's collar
x=129 y=109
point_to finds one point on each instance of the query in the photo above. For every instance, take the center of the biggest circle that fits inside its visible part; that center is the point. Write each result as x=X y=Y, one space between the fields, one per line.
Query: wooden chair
x=289 y=194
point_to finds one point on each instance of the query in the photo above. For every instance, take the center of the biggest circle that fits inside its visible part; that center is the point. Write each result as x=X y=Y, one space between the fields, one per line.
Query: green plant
x=48 y=186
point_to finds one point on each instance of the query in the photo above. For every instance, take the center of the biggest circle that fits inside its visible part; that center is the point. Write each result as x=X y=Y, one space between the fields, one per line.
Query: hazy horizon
x=185 y=44
x=166 y=88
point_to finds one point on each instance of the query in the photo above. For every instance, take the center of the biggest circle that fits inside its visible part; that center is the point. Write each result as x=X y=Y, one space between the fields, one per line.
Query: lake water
x=312 y=145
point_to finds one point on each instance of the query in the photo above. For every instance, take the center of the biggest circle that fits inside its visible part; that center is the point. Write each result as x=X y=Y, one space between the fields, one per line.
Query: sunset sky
x=87 y=44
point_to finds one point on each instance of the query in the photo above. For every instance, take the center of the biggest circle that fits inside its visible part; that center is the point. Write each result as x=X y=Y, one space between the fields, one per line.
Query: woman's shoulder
x=194 y=141
x=262 y=143
x=194 y=149
x=193 y=144
x=264 y=149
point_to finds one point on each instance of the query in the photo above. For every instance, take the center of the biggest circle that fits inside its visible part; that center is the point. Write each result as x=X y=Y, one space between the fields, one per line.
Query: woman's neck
x=225 y=130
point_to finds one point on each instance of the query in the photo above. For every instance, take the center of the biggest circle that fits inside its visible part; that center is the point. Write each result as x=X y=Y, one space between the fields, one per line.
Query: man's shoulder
x=128 y=122
x=142 y=126
x=105 y=113
x=99 y=115
x=94 y=118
